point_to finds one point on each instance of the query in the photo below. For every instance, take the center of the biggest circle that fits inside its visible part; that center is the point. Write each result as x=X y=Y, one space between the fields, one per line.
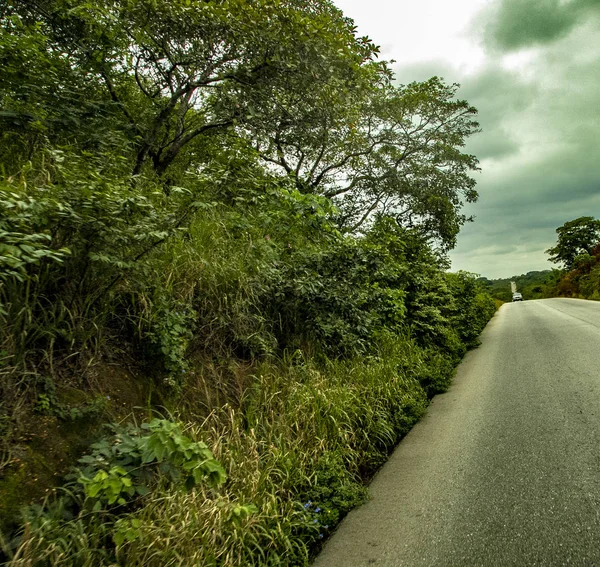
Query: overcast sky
x=532 y=68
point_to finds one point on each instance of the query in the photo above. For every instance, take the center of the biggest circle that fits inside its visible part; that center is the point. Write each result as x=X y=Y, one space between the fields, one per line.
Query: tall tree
x=381 y=149
x=179 y=69
x=576 y=237
x=162 y=80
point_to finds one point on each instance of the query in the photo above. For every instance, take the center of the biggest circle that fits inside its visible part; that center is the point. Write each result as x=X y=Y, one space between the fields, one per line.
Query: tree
x=179 y=70
x=381 y=149
x=167 y=82
x=575 y=237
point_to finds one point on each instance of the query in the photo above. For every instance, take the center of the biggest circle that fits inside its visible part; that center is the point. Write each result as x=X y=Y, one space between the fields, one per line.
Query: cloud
x=515 y=24
x=547 y=171
x=538 y=148
x=498 y=94
x=493 y=147
x=532 y=69
x=423 y=70
x=494 y=91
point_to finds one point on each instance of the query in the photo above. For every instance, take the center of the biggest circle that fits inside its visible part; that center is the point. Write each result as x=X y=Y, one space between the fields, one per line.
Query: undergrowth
x=295 y=456
x=340 y=342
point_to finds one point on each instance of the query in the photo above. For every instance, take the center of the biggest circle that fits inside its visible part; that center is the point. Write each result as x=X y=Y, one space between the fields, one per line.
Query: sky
x=532 y=69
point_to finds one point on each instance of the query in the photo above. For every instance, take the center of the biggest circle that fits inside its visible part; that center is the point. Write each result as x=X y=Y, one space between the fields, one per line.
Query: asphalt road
x=505 y=467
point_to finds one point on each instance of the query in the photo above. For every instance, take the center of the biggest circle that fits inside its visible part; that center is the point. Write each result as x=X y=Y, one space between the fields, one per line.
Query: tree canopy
x=576 y=237
x=173 y=82
x=392 y=150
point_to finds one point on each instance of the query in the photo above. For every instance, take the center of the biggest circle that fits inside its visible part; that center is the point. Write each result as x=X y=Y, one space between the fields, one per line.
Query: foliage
x=20 y=246
x=578 y=249
x=305 y=433
x=583 y=280
x=170 y=334
x=47 y=403
x=342 y=296
x=293 y=80
x=575 y=238
x=127 y=464
x=338 y=297
x=398 y=153
x=174 y=72
x=234 y=201
x=473 y=307
x=92 y=234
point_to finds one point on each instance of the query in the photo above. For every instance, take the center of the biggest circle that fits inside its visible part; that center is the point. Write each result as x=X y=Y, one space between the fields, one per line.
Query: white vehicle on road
x=517 y=296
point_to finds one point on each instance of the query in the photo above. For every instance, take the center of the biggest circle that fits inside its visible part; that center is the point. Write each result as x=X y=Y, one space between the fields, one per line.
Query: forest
x=224 y=285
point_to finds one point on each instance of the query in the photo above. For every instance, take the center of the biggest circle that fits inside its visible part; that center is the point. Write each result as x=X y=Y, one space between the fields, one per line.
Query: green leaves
x=166 y=443
x=578 y=250
x=87 y=229
x=22 y=246
x=239 y=512
x=343 y=293
x=191 y=71
x=380 y=149
x=112 y=486
x=575 y=238
x=126 y=530
x=170 y=331
x=135 y=459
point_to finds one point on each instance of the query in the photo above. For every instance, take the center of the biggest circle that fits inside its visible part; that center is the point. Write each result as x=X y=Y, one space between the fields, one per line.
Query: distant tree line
x=532 y=285
x=577 y=251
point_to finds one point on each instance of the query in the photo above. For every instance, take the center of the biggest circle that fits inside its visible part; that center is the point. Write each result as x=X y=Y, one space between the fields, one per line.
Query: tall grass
x=296 y=453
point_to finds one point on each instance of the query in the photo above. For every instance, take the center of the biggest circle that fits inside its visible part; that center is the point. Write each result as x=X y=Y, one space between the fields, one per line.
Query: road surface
x=505 y=467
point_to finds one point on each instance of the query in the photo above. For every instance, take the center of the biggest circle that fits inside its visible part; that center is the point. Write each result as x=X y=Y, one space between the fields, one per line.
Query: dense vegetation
x=578 y=250
x=223 y=230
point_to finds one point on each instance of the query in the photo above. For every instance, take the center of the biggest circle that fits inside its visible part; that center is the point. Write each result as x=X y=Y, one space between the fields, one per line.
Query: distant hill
x=532 y=285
